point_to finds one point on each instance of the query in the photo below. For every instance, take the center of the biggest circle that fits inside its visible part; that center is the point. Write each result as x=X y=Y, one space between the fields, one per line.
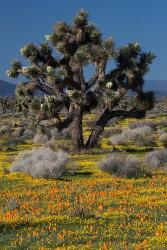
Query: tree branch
x=105 y=117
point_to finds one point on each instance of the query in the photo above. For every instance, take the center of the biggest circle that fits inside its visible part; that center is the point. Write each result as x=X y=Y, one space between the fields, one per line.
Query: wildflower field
x=87 y=209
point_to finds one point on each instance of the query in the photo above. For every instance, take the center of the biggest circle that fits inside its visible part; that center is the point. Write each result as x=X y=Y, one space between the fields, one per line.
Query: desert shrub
x=133 y=134
x=5 y=129
x=11 y=143
x=40 y=139
x=122 y=165
x=148 y=140
x=156 y=158
x=160 y=108
x=115 y=130
x=140 y=135
x=42 y=130
x=163 y=138
x=161 y=131
x=62 y=145
x=151 y=116
x=42 y=163
x=28 y=134
x=18 y=132
x=111 y=131
x=112 y=163
x=151 y=124
x=64 y=134
x=118 y=139
x=163 y=123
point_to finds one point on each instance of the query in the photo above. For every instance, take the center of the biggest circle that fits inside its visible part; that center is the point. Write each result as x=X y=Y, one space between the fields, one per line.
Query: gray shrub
x=163 y=138
x=12 y=142
x=42 y=163
x=5 y=129
x=18 y=132
x=111 y=131
x=133 y=134
x=64 y=134
x=40 y=139
x=156 y=158
x=163 y=123
x=151 y=124
x=122 y=165
x=118 y=139
x=145 y=140
x=28 y=133
x=141 y=136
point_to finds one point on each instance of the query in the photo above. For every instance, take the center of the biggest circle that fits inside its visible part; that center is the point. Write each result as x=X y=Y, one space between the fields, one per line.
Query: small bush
x=122 y=165
x=133 y=134
x=18 y=132
x=163 y=138
x=140 y=136
x=5 y=129
x=64 y=134
x=115 y=130
x=42 y=163
x=60 y=145
x=118 y=139
x=134 y=168
x=156 y=158
x=28 y=134
x=140 y=124
x=161 y=131
x=11 y=143
x=111 y=131
x=163 y=123
x=147 y=141
x=40 y=139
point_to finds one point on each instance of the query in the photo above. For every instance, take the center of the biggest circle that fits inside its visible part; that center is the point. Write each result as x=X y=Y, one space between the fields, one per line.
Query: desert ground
x=87 y=208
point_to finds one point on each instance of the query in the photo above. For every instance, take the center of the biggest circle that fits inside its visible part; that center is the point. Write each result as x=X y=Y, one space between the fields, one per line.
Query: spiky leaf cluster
x=30 y=52
x=81 y=19
x=132 y=58
x=111 y=97
x=13 y=72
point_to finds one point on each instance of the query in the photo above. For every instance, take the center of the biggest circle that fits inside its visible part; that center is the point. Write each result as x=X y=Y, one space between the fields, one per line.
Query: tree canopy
x=57 y=68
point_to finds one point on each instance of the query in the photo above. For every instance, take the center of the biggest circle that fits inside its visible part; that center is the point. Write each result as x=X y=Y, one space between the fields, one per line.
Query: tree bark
x=99 y=127
x=76 y=130
x=103 y=120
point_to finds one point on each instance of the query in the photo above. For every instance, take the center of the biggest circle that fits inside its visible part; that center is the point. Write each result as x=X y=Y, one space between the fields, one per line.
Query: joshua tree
x=61 y=77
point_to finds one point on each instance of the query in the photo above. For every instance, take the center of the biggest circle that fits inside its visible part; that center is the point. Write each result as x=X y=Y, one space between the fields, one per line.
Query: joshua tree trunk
x=76 y=130
x=99 y=127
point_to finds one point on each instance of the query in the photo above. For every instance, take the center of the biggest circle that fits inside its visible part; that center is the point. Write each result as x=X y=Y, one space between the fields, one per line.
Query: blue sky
x=144 y=21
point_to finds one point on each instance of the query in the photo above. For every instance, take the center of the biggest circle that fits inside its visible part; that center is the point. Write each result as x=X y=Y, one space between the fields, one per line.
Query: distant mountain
x=158 y=86
x=7 y=88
